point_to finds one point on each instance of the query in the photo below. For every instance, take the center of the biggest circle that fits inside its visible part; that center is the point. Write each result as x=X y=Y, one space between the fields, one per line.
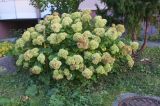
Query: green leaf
x=31 y=90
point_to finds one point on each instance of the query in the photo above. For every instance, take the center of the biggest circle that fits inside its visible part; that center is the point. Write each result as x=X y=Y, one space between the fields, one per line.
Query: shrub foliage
x=73 y=46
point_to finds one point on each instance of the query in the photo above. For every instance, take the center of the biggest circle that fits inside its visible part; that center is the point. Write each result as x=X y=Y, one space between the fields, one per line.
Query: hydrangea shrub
x=73 y=45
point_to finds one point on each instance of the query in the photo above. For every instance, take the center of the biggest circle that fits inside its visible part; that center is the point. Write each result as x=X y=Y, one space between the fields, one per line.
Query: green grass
x=142 y=79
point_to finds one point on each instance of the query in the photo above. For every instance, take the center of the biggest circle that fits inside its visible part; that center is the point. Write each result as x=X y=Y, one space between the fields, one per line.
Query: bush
x=154 y=38
x=72 y=46
x=5 y=47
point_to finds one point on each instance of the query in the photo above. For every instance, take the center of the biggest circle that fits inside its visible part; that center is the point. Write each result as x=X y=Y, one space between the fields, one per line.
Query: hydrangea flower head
x=99 y=31
x=87 y=73
x=63 y=53
x=93 y=44
x=26 y=36
x=76 y=15
x=20 y=60
x=77 y=27
x=100 y=70
x=56 y=27
x=130 y=61
x=55 y=64
x=39 y=40
x=57 y=74
x=40 y=28
x=100 y=23
x=96 y=58
x=120 y=44
x=107 y=58
x=114 y=49
x=20 y=43
x=134 y=46
x=41 y=58
x=36 y=70
x=28 y=55
x=67 y=21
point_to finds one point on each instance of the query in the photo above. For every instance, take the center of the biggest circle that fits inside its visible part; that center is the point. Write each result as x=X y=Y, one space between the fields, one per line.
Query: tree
x=133 y=12
x=60 y=6
x=151 y=7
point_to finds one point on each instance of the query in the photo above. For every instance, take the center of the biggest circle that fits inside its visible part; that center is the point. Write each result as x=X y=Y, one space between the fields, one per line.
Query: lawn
x=22 y=90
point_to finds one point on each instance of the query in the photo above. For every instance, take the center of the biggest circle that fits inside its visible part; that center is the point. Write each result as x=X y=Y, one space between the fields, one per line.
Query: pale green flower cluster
x=114 y=49
x=56 y=38
x=76 y=15
x=86 y=16
x=107 y=58
x=87 y=34
x=73 y=45
x=26 y=36
x=96 y=58
x=36 y=70
x=39 y=40
x=93 y=44
x=57 y=74
x=25 y=65
x=134 y=46
x=99 y=22
x=75 y=62
x=19 y=61
x=56 y=27
x=55 y=19
x=65 y=15
x=29 y=54
x=55 y=64
x=126 y=50
x=67 y=73
x=67 y=21
x=87 y=73
x=77 y=27
x=120 y=44
x=104 y=70
x=20 y=43
x=130 y=61
x=87 y=55
x=41 y=58
x=31 y=29
x=40 y=28
x=63 y=53
x=77 y=36
x=99 y=31
x=35 y=52
x=34 y=34
x=115 y=31
x=100 y=70
x=120 y=28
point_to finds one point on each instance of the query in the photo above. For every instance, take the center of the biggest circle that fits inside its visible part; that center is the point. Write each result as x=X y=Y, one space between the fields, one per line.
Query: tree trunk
x=133 y=34
x=145 y=36
x=134 y=37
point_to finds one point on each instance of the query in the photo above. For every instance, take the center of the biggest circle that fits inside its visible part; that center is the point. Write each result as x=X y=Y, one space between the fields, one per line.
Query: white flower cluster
x=67 y=43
